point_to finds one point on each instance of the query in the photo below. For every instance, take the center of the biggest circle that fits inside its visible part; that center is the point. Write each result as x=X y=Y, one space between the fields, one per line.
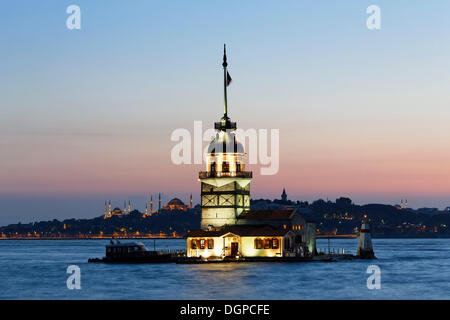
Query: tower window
x=275 y=243
x=225 y=167
x=258 y=244
x=202 y=244
x=238 y=167
x=213 y=167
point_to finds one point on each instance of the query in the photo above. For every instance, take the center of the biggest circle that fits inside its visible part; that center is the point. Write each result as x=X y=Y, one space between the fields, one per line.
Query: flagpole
x=225 y=64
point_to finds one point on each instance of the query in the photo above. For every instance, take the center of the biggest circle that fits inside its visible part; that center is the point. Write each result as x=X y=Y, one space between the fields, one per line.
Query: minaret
x=225 y=185
x=406 y=203
x=159 y=202
x=125 y=207
x=109 y=209
x=365 y=250
x=129 y=206
x=284 y=195
x=401 y=203
x=146 y=209
x=106 y=210
x=151 y=204
x=190 y=202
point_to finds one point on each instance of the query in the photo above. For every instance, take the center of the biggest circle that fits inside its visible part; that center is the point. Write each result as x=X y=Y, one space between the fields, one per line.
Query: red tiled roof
x=280 y=214
x=203 y=233
x=239 y=230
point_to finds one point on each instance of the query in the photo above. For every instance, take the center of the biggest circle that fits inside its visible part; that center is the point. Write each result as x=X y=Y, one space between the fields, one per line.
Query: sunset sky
x=86 y=115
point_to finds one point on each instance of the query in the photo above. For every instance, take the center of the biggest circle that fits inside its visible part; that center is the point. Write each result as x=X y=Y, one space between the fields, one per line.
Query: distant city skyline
x=86 y=115
x=27 y=209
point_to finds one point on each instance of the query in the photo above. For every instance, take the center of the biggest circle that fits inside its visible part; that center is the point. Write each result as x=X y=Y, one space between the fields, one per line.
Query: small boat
x=132 y=252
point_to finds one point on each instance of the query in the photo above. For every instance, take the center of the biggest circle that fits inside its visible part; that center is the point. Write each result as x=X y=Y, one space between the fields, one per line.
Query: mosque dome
x=225 y=142
x=175 y=202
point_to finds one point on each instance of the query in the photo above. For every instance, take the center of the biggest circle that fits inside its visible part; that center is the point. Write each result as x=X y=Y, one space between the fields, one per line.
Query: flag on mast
x=228 y=79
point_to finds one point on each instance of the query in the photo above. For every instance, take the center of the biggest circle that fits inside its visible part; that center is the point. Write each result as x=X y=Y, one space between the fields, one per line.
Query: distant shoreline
x=442 y=236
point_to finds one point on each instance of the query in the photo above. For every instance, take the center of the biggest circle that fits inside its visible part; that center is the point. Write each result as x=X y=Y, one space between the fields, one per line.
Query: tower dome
x=225 y=142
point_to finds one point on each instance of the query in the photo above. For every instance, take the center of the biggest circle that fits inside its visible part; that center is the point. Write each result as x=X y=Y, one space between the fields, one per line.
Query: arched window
x=210 y=243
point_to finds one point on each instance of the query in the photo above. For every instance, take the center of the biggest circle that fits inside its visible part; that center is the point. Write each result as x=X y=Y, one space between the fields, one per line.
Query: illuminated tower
x=190 y=201
x=129 y=206
x=225 y=185
x=159 y=202
x=151 y=204
x=365 y=249
x=125 y=207
x=106 y=210
x=146 y=210
x=109 y=209
x=406 y=203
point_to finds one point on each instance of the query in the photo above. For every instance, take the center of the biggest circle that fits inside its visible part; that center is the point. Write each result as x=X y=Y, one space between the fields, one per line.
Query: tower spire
x=225 y=122
x=225 y=73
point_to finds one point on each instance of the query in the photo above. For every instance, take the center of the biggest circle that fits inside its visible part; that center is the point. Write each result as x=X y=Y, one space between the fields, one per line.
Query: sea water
x=410 y=269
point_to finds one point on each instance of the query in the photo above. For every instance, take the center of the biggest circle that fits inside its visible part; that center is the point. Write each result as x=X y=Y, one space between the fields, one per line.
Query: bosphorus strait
x=410 y=269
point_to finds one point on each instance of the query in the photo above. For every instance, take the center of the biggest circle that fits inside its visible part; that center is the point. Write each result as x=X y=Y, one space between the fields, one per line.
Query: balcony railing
x=213 y=174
